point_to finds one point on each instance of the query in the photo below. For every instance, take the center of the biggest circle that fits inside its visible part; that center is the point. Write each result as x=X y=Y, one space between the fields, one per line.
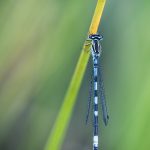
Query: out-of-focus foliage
x=40 y=42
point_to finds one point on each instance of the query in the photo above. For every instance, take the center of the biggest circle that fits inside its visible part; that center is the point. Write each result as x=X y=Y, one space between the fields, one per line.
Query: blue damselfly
x=98 y=89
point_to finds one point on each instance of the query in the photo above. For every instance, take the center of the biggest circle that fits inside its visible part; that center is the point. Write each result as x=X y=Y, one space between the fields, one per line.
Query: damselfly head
x=96 y=37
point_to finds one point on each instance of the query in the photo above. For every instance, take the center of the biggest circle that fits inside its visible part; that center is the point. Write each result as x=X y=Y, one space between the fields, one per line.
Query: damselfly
x=98 y=87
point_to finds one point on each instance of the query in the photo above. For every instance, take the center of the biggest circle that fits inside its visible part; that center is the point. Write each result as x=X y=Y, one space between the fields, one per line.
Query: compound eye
x=91 y=37
x=100 y=37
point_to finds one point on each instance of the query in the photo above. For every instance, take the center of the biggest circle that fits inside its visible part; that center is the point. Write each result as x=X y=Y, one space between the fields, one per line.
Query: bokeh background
x=40 y=42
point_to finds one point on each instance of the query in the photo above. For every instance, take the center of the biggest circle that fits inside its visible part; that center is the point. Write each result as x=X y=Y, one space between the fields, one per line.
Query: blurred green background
x=40 y=42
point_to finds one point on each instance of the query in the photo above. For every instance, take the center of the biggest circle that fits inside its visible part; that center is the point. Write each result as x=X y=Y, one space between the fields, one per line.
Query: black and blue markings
x=98 y=87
